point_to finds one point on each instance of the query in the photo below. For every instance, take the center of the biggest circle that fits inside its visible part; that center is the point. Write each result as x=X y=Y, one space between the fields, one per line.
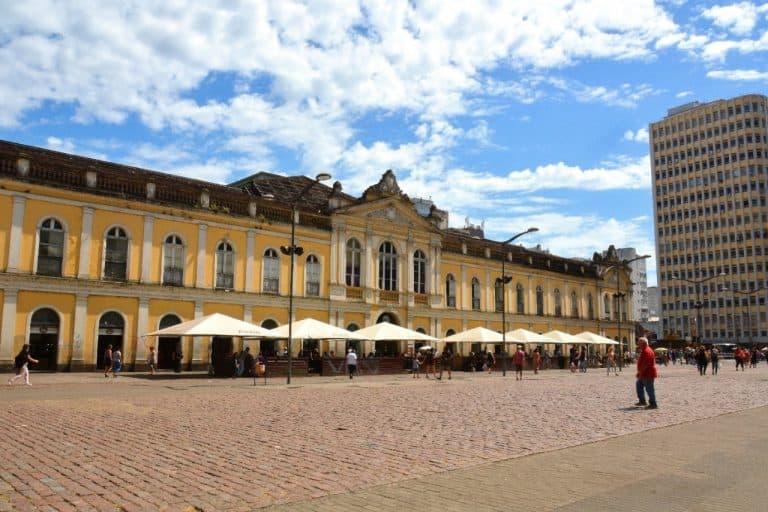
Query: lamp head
x=323 y=176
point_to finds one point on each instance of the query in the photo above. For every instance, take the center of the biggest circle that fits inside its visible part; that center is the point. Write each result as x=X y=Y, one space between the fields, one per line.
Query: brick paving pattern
x=82 y=442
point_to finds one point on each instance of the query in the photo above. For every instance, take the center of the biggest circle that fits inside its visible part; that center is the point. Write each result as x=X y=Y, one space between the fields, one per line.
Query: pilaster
x=84 y=262
x=78 y=333
x=201 y=246
x=14 y=242
x=146 y=249
x=10 y=297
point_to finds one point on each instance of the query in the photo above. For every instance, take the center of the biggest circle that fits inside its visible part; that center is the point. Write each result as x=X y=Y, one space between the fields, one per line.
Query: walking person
x=536 y=360
x=740 y=356
x=152 y=360
x=352 y=362
x=418 y=360
x=21 y=365
x=610 y=362
x=446 y=362
x=583 y=360
x=701 y=360
x=715 y=359
x=107 y=361
x=646 y=375
x=490 y=361
x=117 y=362
x=519 y=360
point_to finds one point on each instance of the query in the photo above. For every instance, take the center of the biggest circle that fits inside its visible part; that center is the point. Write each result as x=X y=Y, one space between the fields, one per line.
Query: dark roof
x=282 y=188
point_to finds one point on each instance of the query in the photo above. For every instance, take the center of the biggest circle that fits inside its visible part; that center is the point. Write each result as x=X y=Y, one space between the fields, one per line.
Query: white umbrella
x=564 y=338
x=309 y=328
x=527 y=337
x=475 y=335
x=595 y=339
x=386 y=331
x=213 y=325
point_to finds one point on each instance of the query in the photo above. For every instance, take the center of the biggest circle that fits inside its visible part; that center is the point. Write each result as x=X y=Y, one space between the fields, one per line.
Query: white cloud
x=57 y=144
x=641 y=135
x=739 y=18
x=683 y=94
x=739 y=75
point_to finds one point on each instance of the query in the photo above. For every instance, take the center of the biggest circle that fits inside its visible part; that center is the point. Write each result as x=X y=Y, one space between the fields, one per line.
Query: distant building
x=710 y=214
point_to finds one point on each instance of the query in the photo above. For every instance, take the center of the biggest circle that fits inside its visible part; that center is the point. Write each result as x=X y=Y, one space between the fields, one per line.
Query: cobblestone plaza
x=83 y=442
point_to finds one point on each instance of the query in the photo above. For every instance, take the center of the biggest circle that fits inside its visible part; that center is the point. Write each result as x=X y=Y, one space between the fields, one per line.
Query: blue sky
x=506 y=113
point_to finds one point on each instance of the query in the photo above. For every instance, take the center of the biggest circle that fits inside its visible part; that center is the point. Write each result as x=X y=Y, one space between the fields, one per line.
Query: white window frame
x=63 y=245
x=230 y=255
x=182 y=248
x=419 y=272
x=270 y=271
x=312 y=276
x=388 y=267
x=353 y=251
x=105 y=240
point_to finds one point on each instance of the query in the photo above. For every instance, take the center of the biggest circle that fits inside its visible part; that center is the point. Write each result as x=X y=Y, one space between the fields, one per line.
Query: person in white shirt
x=351 y=362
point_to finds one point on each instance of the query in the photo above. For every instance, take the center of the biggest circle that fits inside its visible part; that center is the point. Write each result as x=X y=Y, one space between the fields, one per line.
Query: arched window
x=590 y=307
x=419 y=272
x=116 y=255
x=475 y=294
x=387 y=267
x=271 y=280
x=225 y=266
x=606 y=307
x=574 y=305
x=173 y=261
x=558 y=303
x=498 y=295
x=50 y=251
x=450 y=291
x=313 y=276
x=520 y=299
x=354 y=259
x=539 y=301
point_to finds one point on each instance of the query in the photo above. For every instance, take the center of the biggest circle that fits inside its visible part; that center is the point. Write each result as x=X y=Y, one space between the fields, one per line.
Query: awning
x=309 y=328
x=216 y=324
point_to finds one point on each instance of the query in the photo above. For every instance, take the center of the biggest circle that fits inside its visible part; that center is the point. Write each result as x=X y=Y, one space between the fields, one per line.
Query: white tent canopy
x=216 y=324
x=475 y=335
x=386 y=331
x=309 y=328
x=564 y=338
x=595 y=339
x=525 y=336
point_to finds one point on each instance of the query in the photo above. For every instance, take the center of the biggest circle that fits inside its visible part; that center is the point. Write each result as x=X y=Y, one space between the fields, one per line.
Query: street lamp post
x=619 y=294
x=697 y=287
x=504 y=280
x=293 y=250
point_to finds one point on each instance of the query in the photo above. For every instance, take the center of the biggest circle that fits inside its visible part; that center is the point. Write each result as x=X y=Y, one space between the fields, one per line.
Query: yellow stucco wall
x=97 y=306
x=237 y=239
x=188 y=231
x=28 y=302
x=6 y=210
x=103 y=220
x=35 y=212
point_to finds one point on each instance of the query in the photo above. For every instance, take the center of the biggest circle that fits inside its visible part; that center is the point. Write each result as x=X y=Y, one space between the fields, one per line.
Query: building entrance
x=168 y=346
x=111 y=327
x=44 y=339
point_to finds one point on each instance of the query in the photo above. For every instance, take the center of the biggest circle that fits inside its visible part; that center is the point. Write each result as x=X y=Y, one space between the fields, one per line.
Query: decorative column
x=14 y=242
x=146 y=249
x=142 y=328
x=201 y=246
x=249 y=261
x=197 y=341
x=84 y=263
x=78 y=333
x=462 y=288
x=333 y=272
x=7 y=334
x=370 y=261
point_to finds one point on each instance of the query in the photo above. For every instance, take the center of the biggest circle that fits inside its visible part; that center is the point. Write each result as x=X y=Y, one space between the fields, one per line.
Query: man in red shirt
x=646 y=374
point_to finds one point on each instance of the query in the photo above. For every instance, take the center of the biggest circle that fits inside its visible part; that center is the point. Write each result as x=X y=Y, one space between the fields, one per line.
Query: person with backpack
x=21 y=365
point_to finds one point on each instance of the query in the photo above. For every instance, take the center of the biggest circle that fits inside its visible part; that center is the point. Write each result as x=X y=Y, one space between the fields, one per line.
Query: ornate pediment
x=386 y=187
x=392 y=214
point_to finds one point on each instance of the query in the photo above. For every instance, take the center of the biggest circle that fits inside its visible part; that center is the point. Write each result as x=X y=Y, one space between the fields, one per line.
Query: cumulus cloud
x=746 y=75
x=641 y=135
x=738 y=18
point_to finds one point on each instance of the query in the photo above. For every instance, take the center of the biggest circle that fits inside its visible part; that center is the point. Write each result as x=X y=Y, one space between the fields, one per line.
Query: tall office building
x=709 y=177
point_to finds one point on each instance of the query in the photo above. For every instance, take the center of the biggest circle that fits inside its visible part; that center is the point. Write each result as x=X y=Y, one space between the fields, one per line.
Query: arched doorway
x=44 y=338
x=111 y=329
x=222 y=361
x=168 y=346
x=268 y=347
x=387 y=347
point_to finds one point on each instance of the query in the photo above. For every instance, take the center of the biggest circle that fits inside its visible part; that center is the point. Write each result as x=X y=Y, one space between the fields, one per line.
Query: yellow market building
x=95 y=253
